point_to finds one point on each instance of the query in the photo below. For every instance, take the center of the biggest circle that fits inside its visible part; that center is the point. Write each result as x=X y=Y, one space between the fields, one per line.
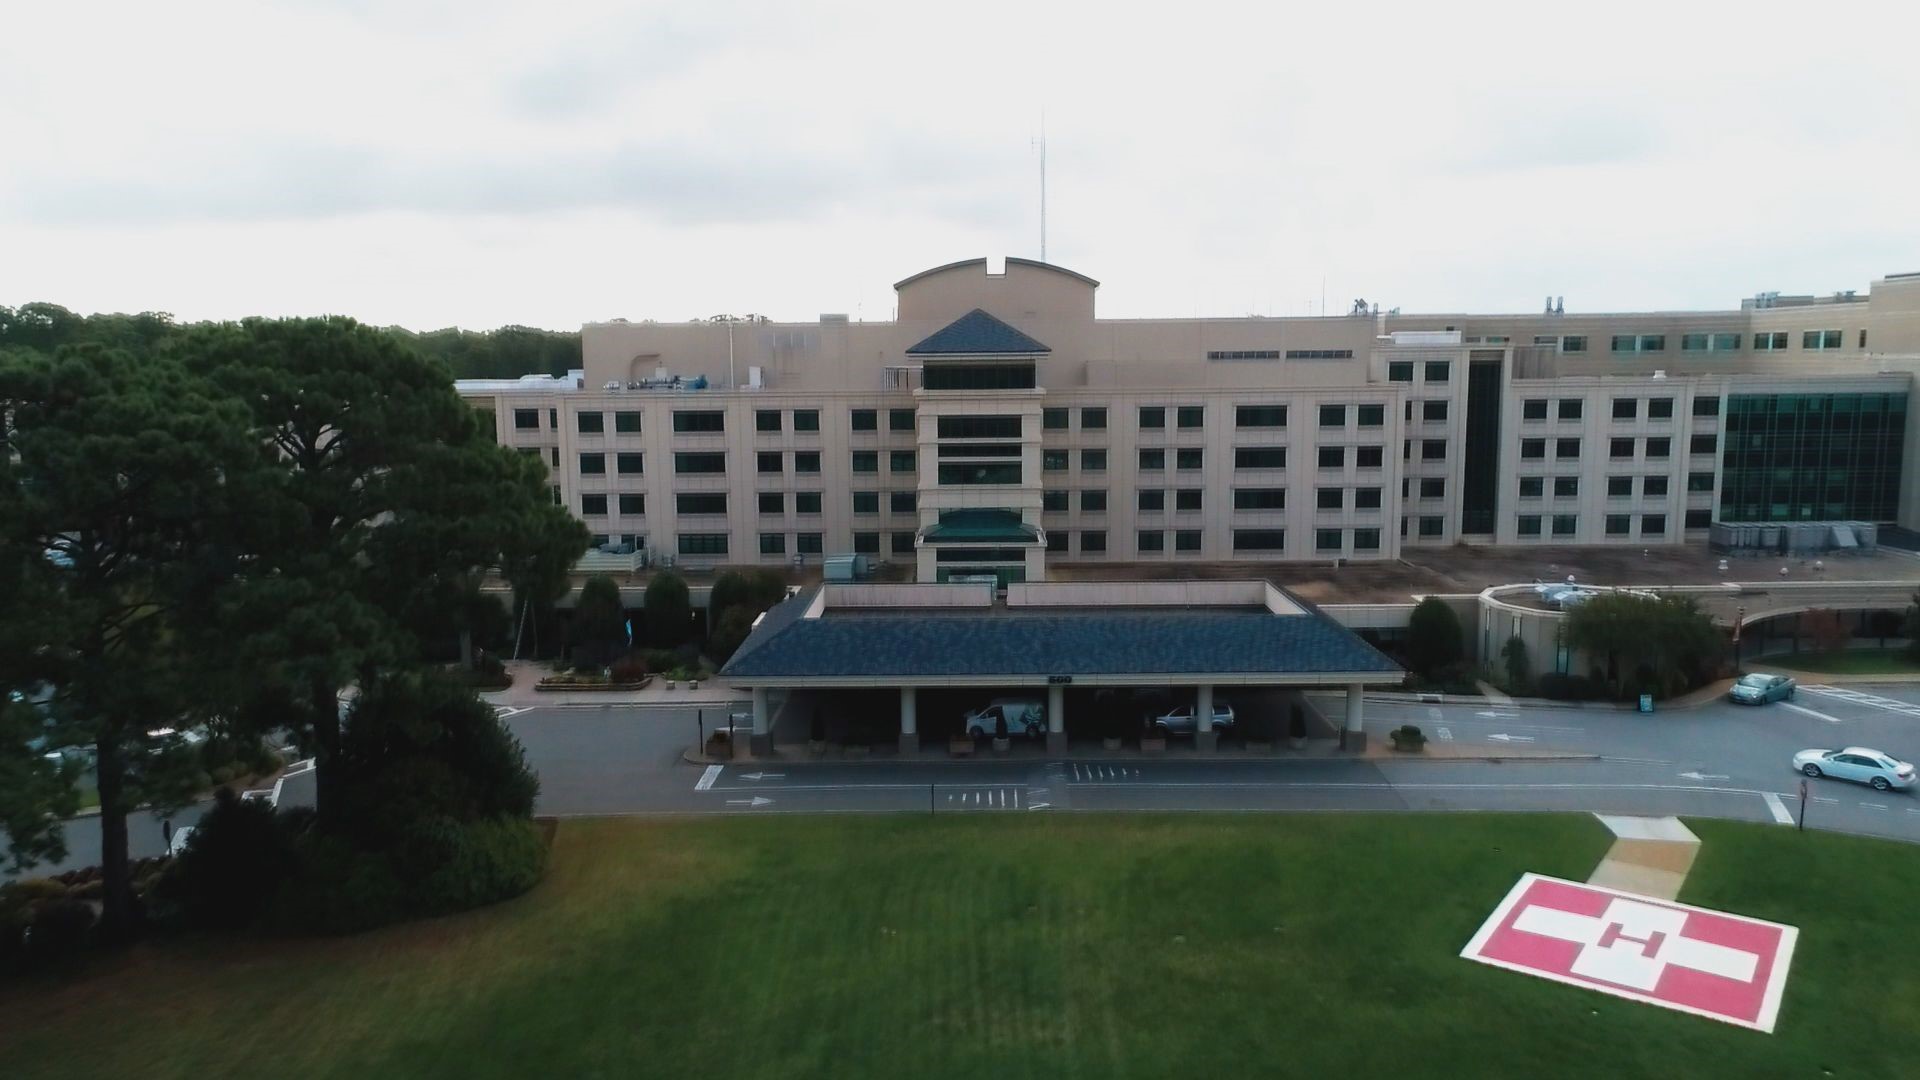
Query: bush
x=1515 y=654
x=234 y=863
x=437 y=867
x=337 y=889
x=486 y=862
x=1434 y=637
x=730 y=631
x=56 y=931
x=1407 y=737
x=28 y=890
x=629 y=668
x=668 y=609
x=1558 y=687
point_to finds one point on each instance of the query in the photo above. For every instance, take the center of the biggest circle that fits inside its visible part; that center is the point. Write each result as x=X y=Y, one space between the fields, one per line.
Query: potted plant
x=816 y=733
x=1110 y=730
x=1407 y=738
x=1297 y=727
x=1001 y=744
x=1152 y=739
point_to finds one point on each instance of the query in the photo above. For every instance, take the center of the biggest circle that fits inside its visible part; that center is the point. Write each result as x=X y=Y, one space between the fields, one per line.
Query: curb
x=1506 y=757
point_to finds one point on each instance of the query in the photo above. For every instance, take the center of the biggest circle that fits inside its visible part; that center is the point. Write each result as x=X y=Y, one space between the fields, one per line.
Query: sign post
x=1803 y=805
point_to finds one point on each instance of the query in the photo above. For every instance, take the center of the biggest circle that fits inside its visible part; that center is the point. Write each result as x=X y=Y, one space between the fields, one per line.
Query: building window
x=806 y=419
x=1093 y=418
x=1566 y=448
x=1153 y=460
x=903 y=502
x=1699 y=519
x=1191 y=416
x=1186 y=499
x=1438 y=371
x=1371 y=415
x=1619 y=448
x=701 y=502
x=1434 y=487
x=1368 y=457
x=1366 y=498
x=902 y=543
x=704 y=422
x=1366 y=539
x=1653 y=524
x=1186 y=540
x=866 y=461
x=1260 y=416
x=1531 y=449
x=626 y=422
x=1693 y=342
x=1259 y=539
x=1653 y=343
x=526 y=419
x=1565 y=524
x=1053 y=460
x=1433 y=449
x=1333 y=416
x=1053 y=419
x=1333 y=457
x=593 y=464
x=1573 y=343
x=806 y=461
x=703 y=542
x=1820 y=339
x=686 y=464
x=1653 y=486
x=808 y=543
x=1532 y=487
x=1152 y=416
x=1093 y=501
x=1619 y=487
x=978 y=427
x=1190 y=458
x=1093 y=461
x=773 y=543
x=1319 y=354
x=1331 y=498
x=866 y=502
x=1259 y=498
x=1699 y=481
x=1566 y=487
x=771 y=461
x=593 y=505
x=773 y=502
x=1618 y=524
x=1770 y=342
x=1626 y=408
x=1528 y=524
x=766 y=420
x=1151 y=501
x=1151 y=541
x=1571 y=408
x=1400 y=371
x=806 y=502
x=865 y=419
x=1660 y=408
x=1432 y=525
x=1260 y=457
x=1660 y=446
x=866 y=543
x=1625 y=343
x=1327 y=540
x=591 y=423
x=1533 y=409
x=629 y=463
x=1053 y=502
x=1702 y=444
x=1093 y=541
x=1706 y=405
x=1243 y=354
x=901 y=460
x=1433 y=412
x=961 y=473
x=633 y=505
x=899 y=419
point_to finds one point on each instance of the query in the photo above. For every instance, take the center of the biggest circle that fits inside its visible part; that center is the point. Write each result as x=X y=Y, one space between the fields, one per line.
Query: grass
x=1846 y=662
x=1063 y=947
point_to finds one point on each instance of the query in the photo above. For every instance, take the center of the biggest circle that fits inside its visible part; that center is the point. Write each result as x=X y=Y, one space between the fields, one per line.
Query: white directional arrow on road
x=763 y=775
x=1495 y=715
x=1504 y=737
x=756 y=802
x=1701 y=776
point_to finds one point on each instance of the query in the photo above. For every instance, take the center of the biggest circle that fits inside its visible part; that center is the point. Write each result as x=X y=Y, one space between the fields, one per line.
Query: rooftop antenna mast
x=1042 y=143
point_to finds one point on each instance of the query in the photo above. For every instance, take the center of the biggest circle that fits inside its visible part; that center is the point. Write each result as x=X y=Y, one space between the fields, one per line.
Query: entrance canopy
x=980 y=527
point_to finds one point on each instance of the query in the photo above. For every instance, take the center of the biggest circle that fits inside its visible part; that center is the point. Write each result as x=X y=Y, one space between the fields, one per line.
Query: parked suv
x=1024 y=716
x=1179 y=721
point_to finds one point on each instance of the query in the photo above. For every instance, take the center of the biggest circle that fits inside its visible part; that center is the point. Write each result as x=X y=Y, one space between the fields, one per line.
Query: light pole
x=733 y=383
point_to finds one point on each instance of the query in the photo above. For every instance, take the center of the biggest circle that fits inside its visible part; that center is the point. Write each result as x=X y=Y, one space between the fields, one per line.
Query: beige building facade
x=998 y=425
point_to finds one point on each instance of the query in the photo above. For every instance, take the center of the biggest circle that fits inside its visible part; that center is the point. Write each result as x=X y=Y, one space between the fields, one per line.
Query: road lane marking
x=1633 y=760
x=707 y=778
x=1904 y=708
x=1811 y=712
x=1874 y=805
x=1779 y=809
x=1445 y=735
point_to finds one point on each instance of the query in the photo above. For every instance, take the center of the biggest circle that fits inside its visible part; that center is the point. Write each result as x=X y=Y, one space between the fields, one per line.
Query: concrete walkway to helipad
x=1650 y=856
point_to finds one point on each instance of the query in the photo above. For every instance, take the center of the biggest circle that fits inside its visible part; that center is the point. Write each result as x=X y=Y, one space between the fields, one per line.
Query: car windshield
x=1758 y=682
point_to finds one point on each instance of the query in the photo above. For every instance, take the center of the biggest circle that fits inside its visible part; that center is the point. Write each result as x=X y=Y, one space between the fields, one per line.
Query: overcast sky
x=478 y=162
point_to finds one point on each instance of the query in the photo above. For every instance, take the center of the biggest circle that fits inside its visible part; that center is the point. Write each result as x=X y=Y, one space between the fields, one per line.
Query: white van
x=1024 y=716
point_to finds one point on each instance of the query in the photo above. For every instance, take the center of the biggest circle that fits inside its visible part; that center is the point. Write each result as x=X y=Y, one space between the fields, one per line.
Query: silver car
x=1859 y=764
x=1179 y=721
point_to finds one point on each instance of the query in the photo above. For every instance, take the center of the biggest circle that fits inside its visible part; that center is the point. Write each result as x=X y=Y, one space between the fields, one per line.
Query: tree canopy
x=668 y=610
x=1660 y=645
x=1434 y=637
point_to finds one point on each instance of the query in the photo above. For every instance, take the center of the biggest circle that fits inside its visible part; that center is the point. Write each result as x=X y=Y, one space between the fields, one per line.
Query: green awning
x=980 y=527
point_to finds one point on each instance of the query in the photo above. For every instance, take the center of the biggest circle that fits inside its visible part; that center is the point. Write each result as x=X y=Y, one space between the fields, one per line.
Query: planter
x=693 y=684
x=816 y=747
x=673 y=684
x=564 y=684
x=1001 y=746
x=960 y=746
x=1153 y=744
x=1407 y=747
x=1110 y=743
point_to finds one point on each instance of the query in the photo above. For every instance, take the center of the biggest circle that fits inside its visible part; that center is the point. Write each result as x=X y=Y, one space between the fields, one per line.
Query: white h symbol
x=1632 y=944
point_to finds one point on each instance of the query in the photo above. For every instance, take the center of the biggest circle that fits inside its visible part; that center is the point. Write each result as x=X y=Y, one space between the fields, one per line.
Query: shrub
x=236 y=860
x=629 y=668
x=485 y=862
x=487 y=663
x=1434 y=637
x=27 y=890
x=1515 y=654
x=1559 y=687
x=730 y=631
x=1407 y=737
x=57 y=931
x=669 y=610
x=337 y=889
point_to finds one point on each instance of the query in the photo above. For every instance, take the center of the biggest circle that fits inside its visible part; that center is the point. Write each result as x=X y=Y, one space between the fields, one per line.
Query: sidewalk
x=1316 y=750
x=1690 y=700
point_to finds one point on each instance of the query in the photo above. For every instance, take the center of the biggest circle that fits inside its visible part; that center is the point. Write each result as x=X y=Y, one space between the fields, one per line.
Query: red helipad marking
x=1709 y=963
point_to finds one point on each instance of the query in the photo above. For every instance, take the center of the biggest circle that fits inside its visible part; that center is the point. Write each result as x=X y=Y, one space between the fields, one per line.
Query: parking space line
x=1778 y=808
x=1874 y=805
x=1811 y=712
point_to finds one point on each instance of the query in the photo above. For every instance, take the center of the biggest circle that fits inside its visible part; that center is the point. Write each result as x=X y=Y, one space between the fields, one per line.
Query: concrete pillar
x=1351 y=736
x=909 y=722
x=1205 y=739
x=762 y=742
x=1056 y=719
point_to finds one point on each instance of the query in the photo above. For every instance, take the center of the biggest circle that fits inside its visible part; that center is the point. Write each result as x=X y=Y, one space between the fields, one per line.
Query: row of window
x=1618 y=487
x=1275 y=354
x=1435 y=371
x=1624 y=408
x=1657 y=447
x=1764 y=341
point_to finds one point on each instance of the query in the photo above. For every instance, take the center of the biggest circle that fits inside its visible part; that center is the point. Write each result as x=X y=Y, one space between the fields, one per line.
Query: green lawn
x=1003 y=946
x=1846 y=662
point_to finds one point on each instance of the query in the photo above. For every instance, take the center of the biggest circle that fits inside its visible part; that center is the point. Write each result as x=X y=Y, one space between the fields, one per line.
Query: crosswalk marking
x=986 y=798
x=1858 y=697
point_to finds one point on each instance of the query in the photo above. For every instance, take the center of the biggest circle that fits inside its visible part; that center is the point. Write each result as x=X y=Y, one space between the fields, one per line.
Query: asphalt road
x=1718 y=760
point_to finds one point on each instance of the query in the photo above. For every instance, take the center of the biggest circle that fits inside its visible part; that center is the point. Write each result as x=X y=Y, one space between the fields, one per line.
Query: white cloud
x=483 y=162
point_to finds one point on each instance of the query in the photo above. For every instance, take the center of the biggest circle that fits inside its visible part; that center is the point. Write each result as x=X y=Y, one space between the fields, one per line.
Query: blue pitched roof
x=1172 y=642
x=976 y=333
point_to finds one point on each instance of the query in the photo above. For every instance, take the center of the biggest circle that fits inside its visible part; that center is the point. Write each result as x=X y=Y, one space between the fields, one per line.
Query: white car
x=1859 y=764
